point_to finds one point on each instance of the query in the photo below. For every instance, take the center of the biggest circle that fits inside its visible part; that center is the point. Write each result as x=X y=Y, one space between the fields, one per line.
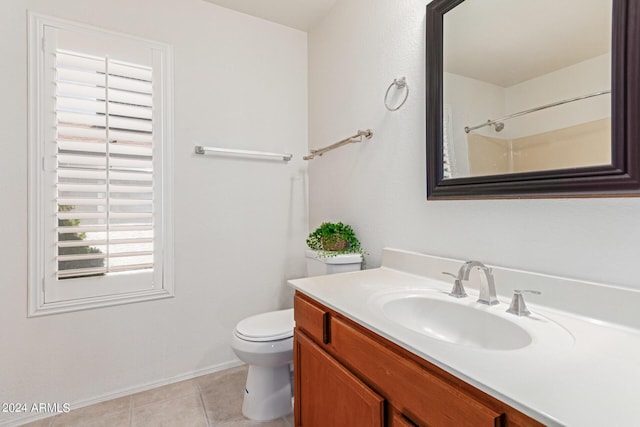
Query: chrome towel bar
x=203 y=150
x=358 y=137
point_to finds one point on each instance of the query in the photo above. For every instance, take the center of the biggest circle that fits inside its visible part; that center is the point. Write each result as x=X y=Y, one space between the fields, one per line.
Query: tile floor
x=207 y=401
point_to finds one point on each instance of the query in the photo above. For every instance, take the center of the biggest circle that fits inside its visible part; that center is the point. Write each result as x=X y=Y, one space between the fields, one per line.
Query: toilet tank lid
x=271 y=326
x=336 y=259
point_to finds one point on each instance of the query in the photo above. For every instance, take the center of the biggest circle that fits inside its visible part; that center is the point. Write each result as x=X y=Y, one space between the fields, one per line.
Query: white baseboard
x=126 y=392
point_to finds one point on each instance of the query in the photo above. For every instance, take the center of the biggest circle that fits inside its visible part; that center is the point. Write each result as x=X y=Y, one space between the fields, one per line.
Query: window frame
x=45 y=293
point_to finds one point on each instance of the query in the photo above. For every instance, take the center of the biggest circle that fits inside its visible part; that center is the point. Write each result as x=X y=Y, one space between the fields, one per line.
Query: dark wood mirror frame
x=621 y=178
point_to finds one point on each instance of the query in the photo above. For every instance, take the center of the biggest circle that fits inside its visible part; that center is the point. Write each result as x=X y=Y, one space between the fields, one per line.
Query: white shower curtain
x=448 y=154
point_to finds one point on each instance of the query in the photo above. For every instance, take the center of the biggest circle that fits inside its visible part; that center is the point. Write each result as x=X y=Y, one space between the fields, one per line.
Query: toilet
x=318 y=265
x=265 y=343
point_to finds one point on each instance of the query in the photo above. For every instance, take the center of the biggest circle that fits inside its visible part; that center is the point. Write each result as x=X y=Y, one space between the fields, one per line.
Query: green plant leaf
x=323 y=238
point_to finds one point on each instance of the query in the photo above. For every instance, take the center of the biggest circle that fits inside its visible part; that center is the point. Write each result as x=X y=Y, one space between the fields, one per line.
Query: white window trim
x=36 y=238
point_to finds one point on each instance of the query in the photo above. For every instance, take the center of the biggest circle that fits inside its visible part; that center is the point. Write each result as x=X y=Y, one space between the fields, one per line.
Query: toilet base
x=267 y=394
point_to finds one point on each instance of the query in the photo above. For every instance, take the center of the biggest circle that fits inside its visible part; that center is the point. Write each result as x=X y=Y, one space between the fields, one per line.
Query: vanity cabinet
x=346 y=375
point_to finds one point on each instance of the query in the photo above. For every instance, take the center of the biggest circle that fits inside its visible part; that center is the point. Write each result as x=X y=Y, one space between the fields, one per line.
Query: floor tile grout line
x=204 y=408
x=130 y=410
x=202 y=405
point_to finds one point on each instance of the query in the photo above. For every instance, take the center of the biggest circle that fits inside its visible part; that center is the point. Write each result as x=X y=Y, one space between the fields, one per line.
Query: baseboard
x=126 y=392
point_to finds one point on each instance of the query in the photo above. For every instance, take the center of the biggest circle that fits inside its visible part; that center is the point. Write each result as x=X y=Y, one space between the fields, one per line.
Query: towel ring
x=400 y=84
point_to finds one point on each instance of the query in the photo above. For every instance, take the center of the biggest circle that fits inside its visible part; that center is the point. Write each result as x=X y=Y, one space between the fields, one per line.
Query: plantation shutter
x=100 y=167
x=104 y=165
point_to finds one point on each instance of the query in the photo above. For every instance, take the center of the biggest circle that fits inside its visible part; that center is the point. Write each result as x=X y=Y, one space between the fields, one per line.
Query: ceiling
x=506 y=42
x=499 y=41
x=300 y=14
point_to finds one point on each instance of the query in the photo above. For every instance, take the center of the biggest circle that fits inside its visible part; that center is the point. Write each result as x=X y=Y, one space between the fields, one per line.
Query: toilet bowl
x=265 y=343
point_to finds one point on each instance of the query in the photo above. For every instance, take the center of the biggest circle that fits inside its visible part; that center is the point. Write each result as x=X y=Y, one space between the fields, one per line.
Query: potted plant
x=332 y=239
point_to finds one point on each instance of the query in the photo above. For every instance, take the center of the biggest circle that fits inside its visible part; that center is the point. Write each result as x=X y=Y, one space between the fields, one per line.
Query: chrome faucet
x=487 y=287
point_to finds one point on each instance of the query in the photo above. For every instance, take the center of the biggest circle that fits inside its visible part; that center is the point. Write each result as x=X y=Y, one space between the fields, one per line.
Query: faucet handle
x=518 y=306
x=458 y=290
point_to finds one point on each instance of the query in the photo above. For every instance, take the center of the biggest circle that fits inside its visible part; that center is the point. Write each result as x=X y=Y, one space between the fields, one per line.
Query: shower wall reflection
x=576 y=146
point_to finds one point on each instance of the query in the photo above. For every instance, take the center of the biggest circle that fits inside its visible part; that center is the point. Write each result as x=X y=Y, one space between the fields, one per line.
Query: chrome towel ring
x=400 y=83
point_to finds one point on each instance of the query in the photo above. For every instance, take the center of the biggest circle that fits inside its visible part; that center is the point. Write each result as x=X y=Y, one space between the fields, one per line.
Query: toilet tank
x=320 y=265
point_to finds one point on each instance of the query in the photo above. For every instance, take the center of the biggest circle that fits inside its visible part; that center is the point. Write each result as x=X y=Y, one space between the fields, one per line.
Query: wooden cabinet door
x=326 y=394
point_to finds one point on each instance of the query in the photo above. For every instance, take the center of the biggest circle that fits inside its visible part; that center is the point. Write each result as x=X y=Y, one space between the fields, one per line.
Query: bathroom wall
x=379 y=186
x=240 y=224
x=488 y=101
x=590 y=76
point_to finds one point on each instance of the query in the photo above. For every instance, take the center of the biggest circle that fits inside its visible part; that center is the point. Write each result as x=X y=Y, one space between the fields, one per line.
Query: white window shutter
x=102 y=200
x=104 y=165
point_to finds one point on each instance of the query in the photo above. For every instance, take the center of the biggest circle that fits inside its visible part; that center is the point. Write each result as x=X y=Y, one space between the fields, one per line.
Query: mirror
x=512 y=101
x=534 y=98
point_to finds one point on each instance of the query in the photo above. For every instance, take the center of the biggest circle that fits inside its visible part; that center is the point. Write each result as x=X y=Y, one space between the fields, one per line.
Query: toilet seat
x=272 y=326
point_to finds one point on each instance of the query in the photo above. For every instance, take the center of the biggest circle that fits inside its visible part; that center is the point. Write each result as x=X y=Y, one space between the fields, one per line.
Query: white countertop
x=590 y=377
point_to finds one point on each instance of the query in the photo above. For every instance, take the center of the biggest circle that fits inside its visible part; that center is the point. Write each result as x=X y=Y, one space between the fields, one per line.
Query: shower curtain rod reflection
x=358 y=137
x=497 y=123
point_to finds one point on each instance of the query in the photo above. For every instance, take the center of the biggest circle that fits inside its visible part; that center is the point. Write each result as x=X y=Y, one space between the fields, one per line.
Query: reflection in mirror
x=526 y=86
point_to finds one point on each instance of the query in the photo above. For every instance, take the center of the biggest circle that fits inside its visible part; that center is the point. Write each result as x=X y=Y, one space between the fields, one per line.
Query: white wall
x=379 y=186
x=583 y=78
x=240 y=225
x=472 y=102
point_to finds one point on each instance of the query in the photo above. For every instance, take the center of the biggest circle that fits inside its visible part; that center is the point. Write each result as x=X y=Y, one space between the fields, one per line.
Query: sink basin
x=464 y=323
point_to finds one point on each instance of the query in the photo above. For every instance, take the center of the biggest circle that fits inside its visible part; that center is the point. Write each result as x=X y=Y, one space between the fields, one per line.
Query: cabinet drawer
x=311 y=319
x=423 y=396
